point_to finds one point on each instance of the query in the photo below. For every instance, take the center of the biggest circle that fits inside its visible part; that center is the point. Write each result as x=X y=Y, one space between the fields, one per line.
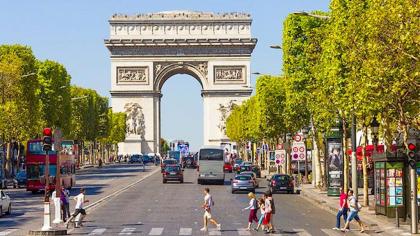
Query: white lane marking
x=302 y=232
x=331 y=232
x=243 y=231
x=405 y=234
x=97 y=231
x=7 y=232
x=214 y=232
x=185 y=231
x=139 y=223
x=127 y=231
x=156 y=231
x=397 y=230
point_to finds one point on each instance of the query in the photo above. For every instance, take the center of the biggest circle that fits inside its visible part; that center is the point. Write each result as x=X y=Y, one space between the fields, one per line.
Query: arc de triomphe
x=148 y=49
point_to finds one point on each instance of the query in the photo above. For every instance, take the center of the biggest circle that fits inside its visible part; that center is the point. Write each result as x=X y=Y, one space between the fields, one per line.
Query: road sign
x=280 y=157
x=298 y=151
x=58 y=138
x=298 y=138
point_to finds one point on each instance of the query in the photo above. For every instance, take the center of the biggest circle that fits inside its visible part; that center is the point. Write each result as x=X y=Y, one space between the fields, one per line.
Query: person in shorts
x=79 y=209
x=354 y=213
x=208 y=204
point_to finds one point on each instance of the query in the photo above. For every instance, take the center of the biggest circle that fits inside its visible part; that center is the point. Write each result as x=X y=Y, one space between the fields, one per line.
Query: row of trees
x=360 y=59
x=36 y=94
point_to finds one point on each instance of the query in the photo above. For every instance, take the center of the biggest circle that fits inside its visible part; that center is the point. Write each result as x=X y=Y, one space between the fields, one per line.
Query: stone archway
x=148 y=49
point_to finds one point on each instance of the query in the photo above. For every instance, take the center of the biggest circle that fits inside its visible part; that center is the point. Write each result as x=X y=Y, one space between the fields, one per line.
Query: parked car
x=173 y=173
x=167 y=162
x=227 y=167
x=254 y=177
x=243 y=183
x=281 y=183
x=21 y=179
x=5 y=204
x=136 y=158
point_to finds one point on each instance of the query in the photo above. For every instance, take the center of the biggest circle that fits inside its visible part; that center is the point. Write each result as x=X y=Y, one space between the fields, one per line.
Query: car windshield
x=172 y=169
x=281 y=177
x=169 y=161
x=243 y=177
x=238 y=161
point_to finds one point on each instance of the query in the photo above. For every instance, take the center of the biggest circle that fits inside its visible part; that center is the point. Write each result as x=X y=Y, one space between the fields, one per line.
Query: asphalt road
x=154 y=208
x=27 y=208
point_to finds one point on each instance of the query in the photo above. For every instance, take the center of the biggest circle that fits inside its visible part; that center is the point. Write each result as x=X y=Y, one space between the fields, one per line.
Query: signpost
x=280 y=156
x=58 y=138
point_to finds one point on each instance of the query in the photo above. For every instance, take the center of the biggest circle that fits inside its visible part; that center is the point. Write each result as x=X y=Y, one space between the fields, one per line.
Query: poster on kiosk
x=335 y=166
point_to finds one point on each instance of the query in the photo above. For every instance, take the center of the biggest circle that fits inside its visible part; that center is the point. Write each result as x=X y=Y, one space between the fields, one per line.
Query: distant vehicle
x=167 y=162
x=256 y=169
x=237 y=163
x=21 y=179
x=253 y=175
x=189 y=162
x=243 y=168
x=175 y=155
x=136 y=158
x=210 y=165
x=147 y=159
x=281 y=183
x=35 y=165
x=246 y=163
x=5 y=204
x=173 y=173
x=243 y=183
x=227 y=167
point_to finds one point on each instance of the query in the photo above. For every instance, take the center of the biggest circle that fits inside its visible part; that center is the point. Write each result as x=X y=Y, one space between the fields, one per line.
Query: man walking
x=79 y=209
x=65 y=204
x=208 y=204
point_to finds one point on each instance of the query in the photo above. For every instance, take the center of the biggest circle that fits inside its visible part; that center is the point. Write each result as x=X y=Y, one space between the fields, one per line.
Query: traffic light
x=412 y=151
x=47 y=139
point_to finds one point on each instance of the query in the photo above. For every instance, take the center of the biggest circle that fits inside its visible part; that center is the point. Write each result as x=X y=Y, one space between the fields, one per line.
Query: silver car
x=243 y=183
x=253 y=175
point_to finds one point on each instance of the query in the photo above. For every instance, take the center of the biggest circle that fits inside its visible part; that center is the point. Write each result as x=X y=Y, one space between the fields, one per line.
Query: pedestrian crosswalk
x=190 y=231
x=7 y=232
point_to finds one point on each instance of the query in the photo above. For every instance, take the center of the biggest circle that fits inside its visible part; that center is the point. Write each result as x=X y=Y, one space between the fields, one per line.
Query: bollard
x=57 y=205
x=397 y=219
x=47 y=217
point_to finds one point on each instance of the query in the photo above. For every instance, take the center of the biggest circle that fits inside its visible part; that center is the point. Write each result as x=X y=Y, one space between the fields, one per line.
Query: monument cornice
x=226 y=92
x=180 y=42
x=135 y=93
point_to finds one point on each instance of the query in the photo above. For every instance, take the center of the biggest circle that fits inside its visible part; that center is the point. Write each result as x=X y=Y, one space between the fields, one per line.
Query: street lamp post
x=288 y=157
x=305 y=136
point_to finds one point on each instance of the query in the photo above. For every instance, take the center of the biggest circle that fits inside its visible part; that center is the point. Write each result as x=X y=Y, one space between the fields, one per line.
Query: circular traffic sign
x=302 y=156
x=295 y=149
x=301 y=149
x=295 y=156
x=277 y=161
x=282 y=155
x=297 y=138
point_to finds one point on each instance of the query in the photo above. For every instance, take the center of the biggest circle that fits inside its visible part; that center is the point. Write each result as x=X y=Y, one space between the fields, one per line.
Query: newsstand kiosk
x=390 y=184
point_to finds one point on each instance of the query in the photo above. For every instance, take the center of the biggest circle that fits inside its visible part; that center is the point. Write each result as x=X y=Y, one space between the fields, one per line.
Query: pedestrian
x=253 y=207
x=273 y=210
x=261 y=205
x=267 y=215
x=354 y=210
x=208 y=204
x=65 y=203
x=342 y=210
x=79 y=209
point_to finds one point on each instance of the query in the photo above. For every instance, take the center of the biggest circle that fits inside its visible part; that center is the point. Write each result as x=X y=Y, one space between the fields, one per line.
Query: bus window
x=34 y=171
x=211 y=155
x=36 y=148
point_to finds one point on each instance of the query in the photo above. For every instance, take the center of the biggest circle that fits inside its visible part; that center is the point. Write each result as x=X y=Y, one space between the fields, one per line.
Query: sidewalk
x=377 y=223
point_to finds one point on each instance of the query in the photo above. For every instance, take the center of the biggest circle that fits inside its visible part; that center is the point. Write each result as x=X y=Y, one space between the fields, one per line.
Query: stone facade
x=147 y=49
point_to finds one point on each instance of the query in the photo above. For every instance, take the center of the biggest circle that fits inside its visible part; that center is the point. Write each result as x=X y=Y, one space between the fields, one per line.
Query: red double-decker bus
x=35 y=165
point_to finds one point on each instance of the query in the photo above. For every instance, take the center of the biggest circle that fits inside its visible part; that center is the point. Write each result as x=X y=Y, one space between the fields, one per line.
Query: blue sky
x=72 y=33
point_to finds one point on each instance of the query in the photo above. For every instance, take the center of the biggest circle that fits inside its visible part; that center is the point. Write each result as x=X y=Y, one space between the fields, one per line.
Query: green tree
x=164 y=146
x=54 y=95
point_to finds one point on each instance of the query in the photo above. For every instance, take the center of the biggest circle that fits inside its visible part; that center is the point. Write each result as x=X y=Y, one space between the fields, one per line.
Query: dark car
x=21 y=179
x=281 y=183
x=173 y=173
x=147 y=159
x=243 y=168
x=256 y=169
x=189 y=162
x=167 y=162
x=136 y=159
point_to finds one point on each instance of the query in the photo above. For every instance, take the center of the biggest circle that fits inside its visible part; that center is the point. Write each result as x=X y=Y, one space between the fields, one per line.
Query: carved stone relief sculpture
x=135 y=120
x=133 y=75
x=224 y=114
x=229 y=74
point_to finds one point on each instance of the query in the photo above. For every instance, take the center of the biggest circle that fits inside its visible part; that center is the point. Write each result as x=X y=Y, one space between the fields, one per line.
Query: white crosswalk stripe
x=127 y=231
x=185 y=231
x=243 y=231
x=156 y=231
x=97 y=231
x=7 y=232
x=214 y=232
x=331 y=232
x=302 y=232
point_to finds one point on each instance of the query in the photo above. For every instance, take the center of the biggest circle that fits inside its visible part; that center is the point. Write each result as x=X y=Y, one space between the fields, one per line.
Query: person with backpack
x=208 y=204
x=253 y=207
x=355 y=207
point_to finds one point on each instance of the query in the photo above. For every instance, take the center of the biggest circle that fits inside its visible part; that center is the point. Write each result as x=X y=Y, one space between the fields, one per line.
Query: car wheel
x=181 y=181
x=233 y=191
x=1 y=211
x=9 y=210
x=164 y=181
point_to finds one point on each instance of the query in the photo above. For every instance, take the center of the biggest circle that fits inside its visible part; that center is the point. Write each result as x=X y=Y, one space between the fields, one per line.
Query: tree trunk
x=365 y=171
x=316 y=156
x=346 y=157
x=8 y=163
